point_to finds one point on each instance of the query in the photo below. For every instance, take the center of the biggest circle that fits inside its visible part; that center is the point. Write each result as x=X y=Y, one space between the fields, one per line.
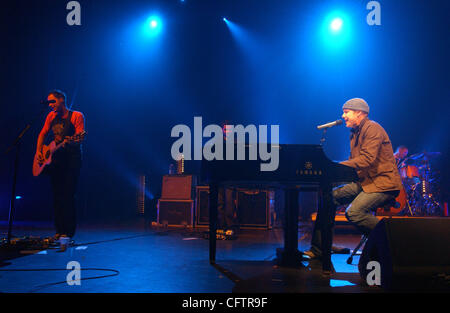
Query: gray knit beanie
x=356 y=104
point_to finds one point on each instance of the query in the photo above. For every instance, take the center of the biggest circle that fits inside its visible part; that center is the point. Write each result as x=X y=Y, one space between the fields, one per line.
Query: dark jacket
x=373 y=158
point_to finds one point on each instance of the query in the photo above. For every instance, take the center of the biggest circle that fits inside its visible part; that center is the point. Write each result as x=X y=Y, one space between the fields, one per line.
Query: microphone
x=328 y=125
x=47 y=101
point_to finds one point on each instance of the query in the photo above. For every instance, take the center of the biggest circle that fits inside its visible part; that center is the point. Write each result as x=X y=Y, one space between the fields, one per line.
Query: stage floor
x=138 y=258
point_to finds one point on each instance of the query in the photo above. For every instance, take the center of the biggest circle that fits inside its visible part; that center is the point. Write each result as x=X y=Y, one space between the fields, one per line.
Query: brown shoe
x=54 y=238
x=311 y=254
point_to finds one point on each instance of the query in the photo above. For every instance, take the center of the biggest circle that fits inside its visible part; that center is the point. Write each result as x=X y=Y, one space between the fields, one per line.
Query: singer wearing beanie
x=372 y=156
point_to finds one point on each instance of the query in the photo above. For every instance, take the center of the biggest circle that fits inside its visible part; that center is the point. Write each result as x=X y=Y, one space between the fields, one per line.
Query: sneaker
x=64 y=242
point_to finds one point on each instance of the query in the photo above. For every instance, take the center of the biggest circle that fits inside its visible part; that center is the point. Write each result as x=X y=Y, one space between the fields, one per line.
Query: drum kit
x=421 y=186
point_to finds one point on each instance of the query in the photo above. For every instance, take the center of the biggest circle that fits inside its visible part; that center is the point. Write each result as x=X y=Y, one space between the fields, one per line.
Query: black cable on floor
x=115 y=273
x=109 y=240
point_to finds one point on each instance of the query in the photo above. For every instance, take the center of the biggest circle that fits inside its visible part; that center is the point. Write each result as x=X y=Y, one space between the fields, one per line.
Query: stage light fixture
x=336 y=30
x=153 y=26
x=336 y=24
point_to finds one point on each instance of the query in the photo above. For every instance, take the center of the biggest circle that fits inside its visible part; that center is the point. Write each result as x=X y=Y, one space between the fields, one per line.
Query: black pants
x=64 y=172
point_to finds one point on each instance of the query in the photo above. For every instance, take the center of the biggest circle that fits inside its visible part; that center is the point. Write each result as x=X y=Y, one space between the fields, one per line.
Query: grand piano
x=300 y=166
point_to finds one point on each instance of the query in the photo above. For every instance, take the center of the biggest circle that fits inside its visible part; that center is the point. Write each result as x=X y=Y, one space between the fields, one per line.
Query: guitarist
x=66 y=161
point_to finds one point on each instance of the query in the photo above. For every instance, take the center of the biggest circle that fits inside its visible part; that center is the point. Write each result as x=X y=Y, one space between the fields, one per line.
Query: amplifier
x=177 y=187
x=175 y=212
x=202 y=206
x=253 y=208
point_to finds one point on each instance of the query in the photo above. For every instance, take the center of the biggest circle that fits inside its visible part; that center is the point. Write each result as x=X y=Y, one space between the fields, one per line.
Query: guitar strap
x=71 y=149
x=67 y=123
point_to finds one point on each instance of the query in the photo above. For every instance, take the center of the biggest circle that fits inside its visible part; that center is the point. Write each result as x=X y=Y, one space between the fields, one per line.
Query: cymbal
x=424 y=155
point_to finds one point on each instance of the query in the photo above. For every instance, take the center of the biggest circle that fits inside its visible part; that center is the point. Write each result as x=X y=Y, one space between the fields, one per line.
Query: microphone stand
x=325 y=127
x=322 y=140
x=16 y=144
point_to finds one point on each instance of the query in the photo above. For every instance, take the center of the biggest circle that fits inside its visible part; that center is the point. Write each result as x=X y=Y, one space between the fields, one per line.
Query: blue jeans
x=358 y=212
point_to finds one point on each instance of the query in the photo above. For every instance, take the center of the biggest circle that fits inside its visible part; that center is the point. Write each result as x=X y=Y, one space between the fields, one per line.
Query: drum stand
x=409 y=206
x=409 y=195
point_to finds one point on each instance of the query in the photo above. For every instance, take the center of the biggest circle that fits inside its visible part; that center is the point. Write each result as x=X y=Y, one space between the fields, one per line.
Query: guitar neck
x=59 y=145
x=70 y=139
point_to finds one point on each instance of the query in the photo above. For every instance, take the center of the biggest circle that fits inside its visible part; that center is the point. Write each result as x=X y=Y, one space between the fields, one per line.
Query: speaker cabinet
x=253 y=208
x=177 y=187
x=175 y=212
x=413 y=253
x=202 y=206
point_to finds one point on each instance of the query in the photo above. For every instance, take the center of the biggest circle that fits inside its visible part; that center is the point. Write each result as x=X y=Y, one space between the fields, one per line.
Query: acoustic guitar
x=48 y=151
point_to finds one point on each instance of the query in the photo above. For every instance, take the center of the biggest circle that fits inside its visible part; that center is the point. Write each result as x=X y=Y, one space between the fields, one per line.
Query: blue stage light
x=336 y=24
x=336 y=31
x=152 y=26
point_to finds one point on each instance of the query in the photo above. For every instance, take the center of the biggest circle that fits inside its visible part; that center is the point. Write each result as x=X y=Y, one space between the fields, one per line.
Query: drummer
x=400 y=154
x=408 y=172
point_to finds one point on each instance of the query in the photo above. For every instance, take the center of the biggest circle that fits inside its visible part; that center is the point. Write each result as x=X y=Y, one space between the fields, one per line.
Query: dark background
x=279 y=69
